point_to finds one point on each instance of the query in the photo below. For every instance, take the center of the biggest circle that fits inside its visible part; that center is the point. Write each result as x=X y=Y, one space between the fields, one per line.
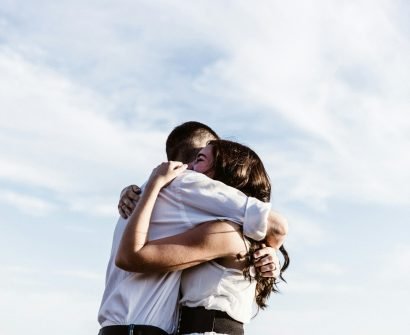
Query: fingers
x=174 y=169
x=164 y=173
x=271 y=269
x=179 y=167
x=270 y=274
x=136 y=189
x=128 y=200
x=268 y=259
x=124 y=210
x=167 y=167
x=122 y=213
x=133 y=193
x=267 y=262
x=264 y=251
x=125 y=201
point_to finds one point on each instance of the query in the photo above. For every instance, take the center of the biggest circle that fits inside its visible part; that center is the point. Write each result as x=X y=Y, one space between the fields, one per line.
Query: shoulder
x=188 y=179
x=194 y=180
x=192 y=176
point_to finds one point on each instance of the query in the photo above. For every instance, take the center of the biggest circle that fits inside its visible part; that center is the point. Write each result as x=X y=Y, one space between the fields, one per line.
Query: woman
x=223 y=301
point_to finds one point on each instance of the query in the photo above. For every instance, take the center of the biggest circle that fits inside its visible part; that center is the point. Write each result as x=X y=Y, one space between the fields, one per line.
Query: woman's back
x=216 y=287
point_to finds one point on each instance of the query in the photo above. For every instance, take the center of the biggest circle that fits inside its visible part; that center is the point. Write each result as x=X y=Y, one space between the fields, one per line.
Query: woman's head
x=235 y=165
x=204 y=162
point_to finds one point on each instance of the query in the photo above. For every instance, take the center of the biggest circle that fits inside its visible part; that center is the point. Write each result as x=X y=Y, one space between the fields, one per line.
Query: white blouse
x=214 y=286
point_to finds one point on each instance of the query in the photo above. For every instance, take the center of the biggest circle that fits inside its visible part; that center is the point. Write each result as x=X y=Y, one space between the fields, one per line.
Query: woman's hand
x=166 y=172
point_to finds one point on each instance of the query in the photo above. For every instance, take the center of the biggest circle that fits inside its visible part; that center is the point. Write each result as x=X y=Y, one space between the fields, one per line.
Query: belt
x=132 y=330
x=201 y=320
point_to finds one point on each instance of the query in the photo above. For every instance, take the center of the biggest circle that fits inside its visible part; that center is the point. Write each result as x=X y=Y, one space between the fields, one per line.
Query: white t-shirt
x=192 y=198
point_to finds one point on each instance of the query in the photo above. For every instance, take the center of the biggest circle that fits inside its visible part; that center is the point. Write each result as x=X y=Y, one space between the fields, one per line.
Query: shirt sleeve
x=221 y=201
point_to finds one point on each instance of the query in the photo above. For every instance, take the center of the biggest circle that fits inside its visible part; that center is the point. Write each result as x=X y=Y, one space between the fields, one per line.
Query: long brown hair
x=238 y=166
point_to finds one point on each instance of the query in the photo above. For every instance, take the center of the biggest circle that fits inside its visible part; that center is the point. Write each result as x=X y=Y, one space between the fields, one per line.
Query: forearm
x=198 y=245
x=155 y=257
x=136 y=231
x=277 y=230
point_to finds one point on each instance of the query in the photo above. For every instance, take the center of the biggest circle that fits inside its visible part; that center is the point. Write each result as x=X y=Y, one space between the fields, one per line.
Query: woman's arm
x=209 y=240
x=135 y=233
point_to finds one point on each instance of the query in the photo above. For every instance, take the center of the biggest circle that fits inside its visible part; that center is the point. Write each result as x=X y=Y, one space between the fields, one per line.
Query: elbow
x=122 y=262
x=130 y=263
x=277 y=229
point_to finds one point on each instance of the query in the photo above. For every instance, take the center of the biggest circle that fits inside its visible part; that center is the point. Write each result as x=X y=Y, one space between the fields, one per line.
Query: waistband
x=201 y=320
x=132 y=330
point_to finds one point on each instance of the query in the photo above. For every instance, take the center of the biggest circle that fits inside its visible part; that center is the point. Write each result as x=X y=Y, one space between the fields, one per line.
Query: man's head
x=185 y=141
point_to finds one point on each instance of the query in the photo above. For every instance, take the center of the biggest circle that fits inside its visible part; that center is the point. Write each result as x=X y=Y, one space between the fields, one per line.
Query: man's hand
x=267 y=262
x=128 y=199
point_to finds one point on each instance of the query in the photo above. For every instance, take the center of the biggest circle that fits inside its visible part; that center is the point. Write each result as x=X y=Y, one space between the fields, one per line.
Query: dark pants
x=132 y=330
x=201 y=320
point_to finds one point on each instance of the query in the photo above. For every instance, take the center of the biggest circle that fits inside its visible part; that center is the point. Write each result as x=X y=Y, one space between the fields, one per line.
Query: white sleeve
x=198 y=191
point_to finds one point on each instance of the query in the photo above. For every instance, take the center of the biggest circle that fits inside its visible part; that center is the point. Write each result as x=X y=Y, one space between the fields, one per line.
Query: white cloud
x=333 y=75
x=34 y=309
x=303 y=232
x=325 y=269
x=61 y=136
x=337 y=78
x=28 y=204
x=49 y=298
x=95 y=205
x=81 y=274
x=394 y=267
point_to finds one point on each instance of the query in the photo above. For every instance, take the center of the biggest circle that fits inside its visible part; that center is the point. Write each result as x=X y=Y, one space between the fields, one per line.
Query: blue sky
x=320 y=89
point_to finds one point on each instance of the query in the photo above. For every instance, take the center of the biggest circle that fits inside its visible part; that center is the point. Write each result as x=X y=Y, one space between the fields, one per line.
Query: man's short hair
x=181 y=142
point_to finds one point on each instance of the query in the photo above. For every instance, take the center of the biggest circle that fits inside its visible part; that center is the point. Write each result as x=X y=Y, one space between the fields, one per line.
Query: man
x=147 y=303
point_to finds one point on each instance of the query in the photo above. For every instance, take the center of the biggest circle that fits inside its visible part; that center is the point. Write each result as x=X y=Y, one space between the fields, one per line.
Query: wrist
x=277 y=230
x=153 y=185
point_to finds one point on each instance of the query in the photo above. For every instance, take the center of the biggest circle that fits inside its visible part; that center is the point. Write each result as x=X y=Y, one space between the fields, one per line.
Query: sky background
x=320 y=89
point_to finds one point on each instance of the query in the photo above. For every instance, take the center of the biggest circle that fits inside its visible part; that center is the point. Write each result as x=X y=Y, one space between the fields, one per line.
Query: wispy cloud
x=28 y=204
x=339 y=86
x=32 y=306
x=395 y=265
x=60 y=136
x=325 y=269
x=303 y=232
